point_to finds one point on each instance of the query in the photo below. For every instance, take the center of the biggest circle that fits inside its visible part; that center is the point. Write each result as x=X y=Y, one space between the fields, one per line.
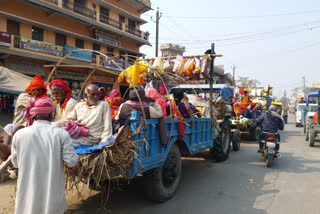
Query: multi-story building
x=37 y=33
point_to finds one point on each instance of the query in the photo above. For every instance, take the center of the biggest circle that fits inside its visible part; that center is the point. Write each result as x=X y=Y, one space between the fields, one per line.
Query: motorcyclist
x=271 y=121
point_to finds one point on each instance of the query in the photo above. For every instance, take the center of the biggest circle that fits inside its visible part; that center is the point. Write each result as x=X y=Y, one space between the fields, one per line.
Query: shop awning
x=12 y=82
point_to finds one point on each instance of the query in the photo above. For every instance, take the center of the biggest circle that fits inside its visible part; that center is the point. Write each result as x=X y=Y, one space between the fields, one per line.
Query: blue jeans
x=263 y=134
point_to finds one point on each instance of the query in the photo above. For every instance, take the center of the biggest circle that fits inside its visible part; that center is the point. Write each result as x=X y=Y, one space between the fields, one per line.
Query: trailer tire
x=311 y=137
x=236 y=140
x=161 y=183
x=221 y=146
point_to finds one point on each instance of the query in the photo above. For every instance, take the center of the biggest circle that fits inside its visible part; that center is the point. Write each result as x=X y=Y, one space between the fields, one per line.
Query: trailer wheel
x=161 y=183
x=311 y=137
x=236 y=140
x=221 y=146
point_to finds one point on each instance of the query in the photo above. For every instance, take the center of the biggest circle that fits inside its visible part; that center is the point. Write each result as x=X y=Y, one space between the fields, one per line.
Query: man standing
x=38 y=152
x=34 y=90
x=62 y=96
x=95 y=115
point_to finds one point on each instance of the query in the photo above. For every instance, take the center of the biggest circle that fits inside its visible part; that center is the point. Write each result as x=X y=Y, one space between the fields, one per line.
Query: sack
x=178 y=64
x=134 y=72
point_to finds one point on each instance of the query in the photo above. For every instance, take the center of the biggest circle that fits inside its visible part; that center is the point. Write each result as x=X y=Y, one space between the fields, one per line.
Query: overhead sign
x=5 y=39
x=42 y=47
x=113 y=65
x=107 y=38
x=315 y=85
x=81 y=55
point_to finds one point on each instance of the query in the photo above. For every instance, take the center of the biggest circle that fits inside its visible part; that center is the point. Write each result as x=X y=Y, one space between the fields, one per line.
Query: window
x=104 y=11
x=61 y=39
x=122 y=55
x=80 y=43
x=122 y=19
x=96 y=47
x=110 y=52
x=37 y=34
x=13 y=27
x=131 y=23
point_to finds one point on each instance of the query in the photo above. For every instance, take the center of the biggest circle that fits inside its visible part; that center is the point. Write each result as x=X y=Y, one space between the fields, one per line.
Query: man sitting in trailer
x=95 y=115
x=62 y=96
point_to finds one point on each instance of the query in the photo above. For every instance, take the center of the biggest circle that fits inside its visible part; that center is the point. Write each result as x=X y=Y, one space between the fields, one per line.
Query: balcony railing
x=133 y=31
x=52 y=1
x=110 y=21
x=80 y=9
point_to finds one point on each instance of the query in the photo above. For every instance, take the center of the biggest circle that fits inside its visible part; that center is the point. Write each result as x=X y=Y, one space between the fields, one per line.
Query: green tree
x=247 y=82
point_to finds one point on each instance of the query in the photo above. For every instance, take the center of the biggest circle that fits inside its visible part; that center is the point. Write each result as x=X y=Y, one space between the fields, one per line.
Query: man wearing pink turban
x=39 y=151
x=153 y=93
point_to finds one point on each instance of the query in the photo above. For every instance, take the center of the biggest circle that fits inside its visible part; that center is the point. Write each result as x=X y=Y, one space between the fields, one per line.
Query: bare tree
x=247 y=82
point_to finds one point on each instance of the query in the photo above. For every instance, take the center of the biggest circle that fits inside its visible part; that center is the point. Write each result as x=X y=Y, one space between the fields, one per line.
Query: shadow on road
x=205 y=187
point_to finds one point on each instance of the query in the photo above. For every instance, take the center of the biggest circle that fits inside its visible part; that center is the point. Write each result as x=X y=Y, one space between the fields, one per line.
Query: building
x=220 y=77
x=37 y=33
x=172 y=50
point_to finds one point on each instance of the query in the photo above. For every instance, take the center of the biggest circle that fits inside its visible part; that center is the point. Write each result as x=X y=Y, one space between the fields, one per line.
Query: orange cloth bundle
x=188 y=66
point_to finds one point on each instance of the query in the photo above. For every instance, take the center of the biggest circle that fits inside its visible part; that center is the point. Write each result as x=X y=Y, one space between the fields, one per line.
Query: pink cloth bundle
x=76 y=129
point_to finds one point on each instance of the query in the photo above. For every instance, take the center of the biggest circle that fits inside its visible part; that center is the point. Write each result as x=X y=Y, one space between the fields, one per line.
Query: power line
x=256 y=35
x=256 y=16
x=262 y=38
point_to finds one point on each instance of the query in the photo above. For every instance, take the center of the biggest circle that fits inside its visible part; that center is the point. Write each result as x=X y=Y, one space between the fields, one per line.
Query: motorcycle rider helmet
x=272 y=108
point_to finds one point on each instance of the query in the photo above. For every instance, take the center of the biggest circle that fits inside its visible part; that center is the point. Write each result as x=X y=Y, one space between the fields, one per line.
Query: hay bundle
x=112 y=162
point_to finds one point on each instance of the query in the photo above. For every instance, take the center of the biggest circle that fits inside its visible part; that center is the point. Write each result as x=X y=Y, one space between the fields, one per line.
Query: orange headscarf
x=37 y=82
x=237 y=108
x=27 y=89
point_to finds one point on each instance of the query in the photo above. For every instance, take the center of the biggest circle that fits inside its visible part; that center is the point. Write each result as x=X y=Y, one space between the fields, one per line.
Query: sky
x=276 y=42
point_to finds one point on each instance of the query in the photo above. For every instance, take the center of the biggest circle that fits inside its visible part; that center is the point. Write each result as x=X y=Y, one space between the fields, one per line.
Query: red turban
x=37 y=106
x=61 y=83
x=37 y=82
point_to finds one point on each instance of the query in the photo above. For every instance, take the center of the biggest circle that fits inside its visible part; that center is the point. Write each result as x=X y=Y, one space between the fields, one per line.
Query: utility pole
x=304 y=85
x=234 y=67
x=158 y=16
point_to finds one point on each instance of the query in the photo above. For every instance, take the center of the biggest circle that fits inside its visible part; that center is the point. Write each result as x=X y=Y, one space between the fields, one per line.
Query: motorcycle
x=270 y=141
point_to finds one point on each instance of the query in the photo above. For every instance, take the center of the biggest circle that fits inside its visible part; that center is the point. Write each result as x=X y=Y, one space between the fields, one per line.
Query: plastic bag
x=149 y=86
x=205 y=62
x=178 y=64
x=197 y=64
x=188 y=66
x=167 y=66
x=158 y=64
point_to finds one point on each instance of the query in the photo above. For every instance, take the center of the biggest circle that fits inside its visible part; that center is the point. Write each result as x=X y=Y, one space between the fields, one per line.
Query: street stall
x=11 y=85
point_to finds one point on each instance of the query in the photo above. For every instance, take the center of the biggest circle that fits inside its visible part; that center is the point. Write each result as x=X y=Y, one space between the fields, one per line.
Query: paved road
x=292 y=185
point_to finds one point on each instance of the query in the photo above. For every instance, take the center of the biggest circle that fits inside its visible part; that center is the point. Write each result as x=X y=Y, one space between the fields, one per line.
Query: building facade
x=37 y=33
x=172 y=50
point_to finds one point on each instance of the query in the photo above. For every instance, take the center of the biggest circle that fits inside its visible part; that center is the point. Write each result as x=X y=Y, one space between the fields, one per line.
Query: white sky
x=276 y=42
